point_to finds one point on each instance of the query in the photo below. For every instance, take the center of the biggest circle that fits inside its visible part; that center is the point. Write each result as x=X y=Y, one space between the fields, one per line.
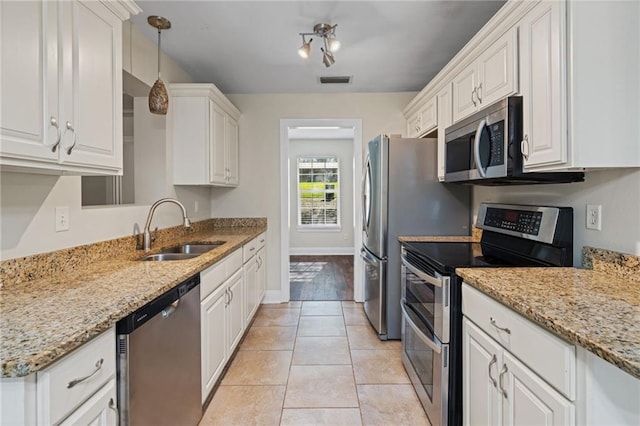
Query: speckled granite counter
x=597 y=310
x=43 y=319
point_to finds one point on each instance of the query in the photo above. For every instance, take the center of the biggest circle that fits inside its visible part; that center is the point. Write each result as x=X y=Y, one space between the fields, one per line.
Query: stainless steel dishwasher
x=159 y=360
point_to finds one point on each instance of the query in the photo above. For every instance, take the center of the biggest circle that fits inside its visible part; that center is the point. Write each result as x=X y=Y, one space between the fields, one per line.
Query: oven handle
x=425 y=277
x=437 y=349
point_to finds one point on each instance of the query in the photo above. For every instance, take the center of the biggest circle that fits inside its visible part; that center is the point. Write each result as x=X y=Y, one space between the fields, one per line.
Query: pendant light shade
x=158 y=96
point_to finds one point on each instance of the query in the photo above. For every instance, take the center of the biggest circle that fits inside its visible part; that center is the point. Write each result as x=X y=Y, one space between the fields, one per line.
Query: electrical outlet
x=62 y=219
x=594 y=217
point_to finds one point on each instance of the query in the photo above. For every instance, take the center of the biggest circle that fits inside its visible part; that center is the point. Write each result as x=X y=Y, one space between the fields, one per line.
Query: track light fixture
x=331 y=44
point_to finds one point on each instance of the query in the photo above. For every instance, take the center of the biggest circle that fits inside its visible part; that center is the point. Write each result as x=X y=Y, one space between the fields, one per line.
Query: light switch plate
x=594 y=217
x=62 y=219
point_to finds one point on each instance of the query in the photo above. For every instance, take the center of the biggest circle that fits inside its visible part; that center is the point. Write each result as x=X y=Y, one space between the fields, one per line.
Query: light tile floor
x=315 y=363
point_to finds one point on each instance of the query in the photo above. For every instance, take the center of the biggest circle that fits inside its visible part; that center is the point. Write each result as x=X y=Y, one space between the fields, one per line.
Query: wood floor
x=321 y=277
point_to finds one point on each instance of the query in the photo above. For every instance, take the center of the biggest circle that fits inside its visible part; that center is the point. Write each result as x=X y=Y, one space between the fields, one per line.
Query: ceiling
x=251 y=46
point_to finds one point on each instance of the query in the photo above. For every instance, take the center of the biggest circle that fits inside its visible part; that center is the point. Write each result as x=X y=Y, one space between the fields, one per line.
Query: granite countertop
x=43 y=319
x=597 y=310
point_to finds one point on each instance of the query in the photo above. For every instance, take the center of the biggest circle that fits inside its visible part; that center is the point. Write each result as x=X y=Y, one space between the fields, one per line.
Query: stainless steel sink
x=193 y=248
x=182 y=251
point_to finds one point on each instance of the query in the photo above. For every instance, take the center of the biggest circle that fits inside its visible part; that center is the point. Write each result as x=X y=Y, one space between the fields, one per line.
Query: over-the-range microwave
x=484 y=149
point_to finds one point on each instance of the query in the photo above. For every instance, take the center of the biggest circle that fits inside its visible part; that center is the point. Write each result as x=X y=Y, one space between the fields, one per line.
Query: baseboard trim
x=314 y=251
x=271 y=297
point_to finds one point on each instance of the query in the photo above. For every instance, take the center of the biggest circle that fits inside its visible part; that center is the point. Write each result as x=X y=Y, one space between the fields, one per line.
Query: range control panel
x=546 y=224
x=522 y=221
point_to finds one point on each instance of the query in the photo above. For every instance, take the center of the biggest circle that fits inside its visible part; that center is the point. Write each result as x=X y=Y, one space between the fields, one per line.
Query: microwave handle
x=476 y=148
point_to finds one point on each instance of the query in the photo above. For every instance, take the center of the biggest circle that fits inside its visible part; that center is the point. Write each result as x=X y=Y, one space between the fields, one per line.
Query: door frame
x=285 y=206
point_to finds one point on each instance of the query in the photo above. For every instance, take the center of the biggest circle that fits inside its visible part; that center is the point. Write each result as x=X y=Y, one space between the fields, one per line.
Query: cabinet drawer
x=550 y=357
x=249 y=250
x=59 y=386
x=261 y=240
x=212 y=277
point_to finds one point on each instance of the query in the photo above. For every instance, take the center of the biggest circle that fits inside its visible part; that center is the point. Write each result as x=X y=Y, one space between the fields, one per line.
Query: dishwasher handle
x=166 y=312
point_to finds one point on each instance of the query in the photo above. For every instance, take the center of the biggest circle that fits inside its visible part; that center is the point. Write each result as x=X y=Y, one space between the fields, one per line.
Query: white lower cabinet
x=500 y=390
x=78 y=389
x=221 y=318
x=251 y=287
x=514 y=372
x=254 y=275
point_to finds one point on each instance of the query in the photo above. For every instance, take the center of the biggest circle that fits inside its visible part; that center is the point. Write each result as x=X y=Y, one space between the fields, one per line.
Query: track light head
x=327 y=58
x=305 y=50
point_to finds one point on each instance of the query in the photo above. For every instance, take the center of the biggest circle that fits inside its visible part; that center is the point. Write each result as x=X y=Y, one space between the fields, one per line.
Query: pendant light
x=158 y=96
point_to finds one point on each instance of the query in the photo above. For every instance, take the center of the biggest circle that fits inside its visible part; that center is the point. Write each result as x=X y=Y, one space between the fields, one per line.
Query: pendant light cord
x=159 y=51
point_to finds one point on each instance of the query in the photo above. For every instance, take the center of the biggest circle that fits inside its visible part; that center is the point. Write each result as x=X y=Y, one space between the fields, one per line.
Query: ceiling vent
x=341 y=79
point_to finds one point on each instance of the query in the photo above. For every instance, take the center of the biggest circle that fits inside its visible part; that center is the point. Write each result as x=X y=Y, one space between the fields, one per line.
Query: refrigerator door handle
x=366 y=198
x=369 y=258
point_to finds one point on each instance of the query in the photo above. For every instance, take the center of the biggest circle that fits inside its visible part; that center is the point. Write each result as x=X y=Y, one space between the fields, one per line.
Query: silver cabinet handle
x=505 y=329
x=82 y=379
x=252 y=249
x=75 y=137
x=227 y=298
x=494 y=360
x=231 y=293
x=524 y=147
x=478 y=91
x=114 y=407
x=54 y=123
x=502 y=373
x=473 y=100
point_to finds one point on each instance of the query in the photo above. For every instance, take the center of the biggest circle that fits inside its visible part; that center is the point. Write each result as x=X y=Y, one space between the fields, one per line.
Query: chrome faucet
x=147 y=232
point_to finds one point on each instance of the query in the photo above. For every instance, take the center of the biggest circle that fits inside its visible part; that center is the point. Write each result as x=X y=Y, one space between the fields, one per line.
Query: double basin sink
x=182 y=251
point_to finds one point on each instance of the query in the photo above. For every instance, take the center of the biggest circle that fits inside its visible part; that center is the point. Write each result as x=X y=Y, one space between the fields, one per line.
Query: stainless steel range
x=513 y=236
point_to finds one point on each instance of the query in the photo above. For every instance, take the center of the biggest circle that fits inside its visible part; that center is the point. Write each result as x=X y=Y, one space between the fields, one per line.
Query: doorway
x=318 y=260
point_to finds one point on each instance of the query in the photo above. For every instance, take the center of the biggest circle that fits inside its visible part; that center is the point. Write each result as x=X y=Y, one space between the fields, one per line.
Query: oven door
x=428 y=293
x=426 y=360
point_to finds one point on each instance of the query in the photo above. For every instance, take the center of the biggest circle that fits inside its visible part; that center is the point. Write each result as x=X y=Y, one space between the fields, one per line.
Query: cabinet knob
x=54 y=123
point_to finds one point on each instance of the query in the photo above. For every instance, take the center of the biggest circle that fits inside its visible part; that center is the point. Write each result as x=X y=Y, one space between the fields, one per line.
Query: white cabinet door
x=29 y=60
x=464 y=99
x=92 y=98
x=497 y=70
x=262 y=275
x=251 y=287
x=217 y=161
x=232 y=153
x=99 y=410
x=213 y=320
x=429 y=116
x=235 y=311
x=482 y=358
x=444 y=121
x=543 y=84
x=413 y=126
x=531 y=401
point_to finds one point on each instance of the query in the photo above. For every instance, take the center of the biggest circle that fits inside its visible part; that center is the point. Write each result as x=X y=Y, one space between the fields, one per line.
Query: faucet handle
x=154 y=234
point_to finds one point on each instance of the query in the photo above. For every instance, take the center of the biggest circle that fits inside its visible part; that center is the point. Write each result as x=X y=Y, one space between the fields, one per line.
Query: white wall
x=618 y=191
x=28 y=201
x=324 y=241
x=259 y=191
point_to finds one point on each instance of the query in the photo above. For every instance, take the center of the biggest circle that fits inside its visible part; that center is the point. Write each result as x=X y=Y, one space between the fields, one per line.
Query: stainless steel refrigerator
x=402 y=196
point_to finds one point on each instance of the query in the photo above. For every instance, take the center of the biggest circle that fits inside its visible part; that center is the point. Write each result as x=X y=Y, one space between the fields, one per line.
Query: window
x=318 y=193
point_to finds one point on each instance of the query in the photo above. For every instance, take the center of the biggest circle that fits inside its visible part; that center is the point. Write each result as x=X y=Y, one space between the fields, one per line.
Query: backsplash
x=623 y=265
x=24 y=269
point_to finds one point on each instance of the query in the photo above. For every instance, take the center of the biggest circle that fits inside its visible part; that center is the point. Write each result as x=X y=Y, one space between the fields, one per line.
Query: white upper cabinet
x=62 y=86
x=580 y=86
x=205 y=136
x=423 y=121
x=488 y=79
